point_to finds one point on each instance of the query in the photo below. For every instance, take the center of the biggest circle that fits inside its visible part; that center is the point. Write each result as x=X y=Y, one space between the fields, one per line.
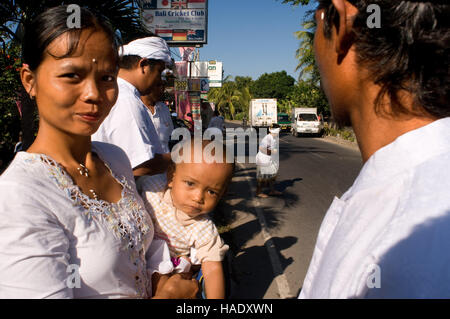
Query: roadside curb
x=337 y=140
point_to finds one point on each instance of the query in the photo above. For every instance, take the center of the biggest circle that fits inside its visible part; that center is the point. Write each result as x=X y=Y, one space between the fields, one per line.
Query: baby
x=180 y=208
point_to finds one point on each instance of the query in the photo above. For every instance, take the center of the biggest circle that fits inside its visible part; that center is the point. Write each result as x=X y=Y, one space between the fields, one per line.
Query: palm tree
x=232 y=98
x=226 y=98
x=244 y=98
x=305 y=52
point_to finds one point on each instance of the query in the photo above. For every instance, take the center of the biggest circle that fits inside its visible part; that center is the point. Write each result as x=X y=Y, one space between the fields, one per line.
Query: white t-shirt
x=50 y=232
x=389 y=234
x=162 y=120
x=130 y=127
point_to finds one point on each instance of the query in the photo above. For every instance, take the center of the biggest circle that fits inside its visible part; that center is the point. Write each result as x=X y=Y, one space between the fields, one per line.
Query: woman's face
x=75 y=94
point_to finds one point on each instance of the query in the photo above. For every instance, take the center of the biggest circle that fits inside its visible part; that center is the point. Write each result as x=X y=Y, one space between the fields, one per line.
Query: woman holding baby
x=72 y=223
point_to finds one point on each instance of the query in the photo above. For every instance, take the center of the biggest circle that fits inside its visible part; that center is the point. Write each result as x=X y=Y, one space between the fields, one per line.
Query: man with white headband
x=129 y=125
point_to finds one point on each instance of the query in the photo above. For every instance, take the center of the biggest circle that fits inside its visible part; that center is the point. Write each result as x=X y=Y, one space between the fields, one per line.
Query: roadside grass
x=343 y=133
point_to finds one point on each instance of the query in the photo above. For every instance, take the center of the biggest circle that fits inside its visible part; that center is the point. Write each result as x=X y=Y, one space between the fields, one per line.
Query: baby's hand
x=182 y=264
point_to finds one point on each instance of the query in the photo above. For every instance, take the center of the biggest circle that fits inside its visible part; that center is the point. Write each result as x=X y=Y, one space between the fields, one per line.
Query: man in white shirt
x=129 y=124
x=160 y=115
x=388 y=235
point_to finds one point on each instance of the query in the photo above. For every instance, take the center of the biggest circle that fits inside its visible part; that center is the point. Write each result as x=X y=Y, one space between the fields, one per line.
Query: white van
x=306 y=121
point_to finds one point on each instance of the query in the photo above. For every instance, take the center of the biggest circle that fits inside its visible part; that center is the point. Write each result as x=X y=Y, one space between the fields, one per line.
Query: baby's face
x=198 y=187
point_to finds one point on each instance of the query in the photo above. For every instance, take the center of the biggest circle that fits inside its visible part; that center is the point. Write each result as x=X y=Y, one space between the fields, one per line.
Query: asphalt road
x=272 y=239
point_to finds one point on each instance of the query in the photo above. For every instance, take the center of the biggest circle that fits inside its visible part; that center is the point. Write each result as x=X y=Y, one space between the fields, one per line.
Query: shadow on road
x=237 y=220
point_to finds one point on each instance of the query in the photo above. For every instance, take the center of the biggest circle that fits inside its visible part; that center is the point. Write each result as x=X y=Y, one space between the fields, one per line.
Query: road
x=272 y=239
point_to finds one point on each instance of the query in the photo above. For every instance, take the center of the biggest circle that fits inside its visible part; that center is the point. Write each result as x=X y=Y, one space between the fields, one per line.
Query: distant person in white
x=129 y=124
x=388 y=236
x=217 y=121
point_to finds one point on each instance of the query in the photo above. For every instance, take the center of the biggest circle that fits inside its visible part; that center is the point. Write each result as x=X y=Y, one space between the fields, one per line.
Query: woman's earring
x=322 y=15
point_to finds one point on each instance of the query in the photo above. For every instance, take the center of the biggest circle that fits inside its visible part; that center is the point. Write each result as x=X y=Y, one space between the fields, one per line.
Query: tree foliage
x=233 y=98
x=305 y=52
x=9 y=114
x=275 y=85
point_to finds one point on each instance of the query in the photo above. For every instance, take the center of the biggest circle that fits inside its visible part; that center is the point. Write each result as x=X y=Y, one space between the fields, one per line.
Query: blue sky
x=252 y=37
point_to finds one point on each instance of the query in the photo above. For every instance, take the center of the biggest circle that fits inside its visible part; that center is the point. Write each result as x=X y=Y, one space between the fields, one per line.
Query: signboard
x=204 y=69
x=179 y=22
x=215 y=74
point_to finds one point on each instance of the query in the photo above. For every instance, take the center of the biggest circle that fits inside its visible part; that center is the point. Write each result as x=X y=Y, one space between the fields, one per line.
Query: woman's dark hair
x=52 y=23
x=410 y=51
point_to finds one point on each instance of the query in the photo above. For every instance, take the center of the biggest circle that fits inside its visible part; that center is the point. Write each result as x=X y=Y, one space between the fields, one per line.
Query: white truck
x=263 y=112
x=306 y=121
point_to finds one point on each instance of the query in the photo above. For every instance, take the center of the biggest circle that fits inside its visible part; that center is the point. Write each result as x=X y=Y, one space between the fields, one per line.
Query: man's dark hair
x=410 y=52
x=129 y=62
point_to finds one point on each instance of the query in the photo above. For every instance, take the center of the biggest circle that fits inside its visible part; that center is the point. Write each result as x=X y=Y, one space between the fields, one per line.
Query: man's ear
x=142 y=64
x=346 y=12
x=28 y=79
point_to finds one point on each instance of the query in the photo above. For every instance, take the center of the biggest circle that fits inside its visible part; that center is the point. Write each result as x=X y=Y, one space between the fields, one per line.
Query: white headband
x=150 y=48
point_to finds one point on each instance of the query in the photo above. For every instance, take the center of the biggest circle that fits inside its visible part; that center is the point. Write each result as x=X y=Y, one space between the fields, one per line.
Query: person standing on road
x=217 y=121
x=129 y=124
x=266 y=163
x=388 y=235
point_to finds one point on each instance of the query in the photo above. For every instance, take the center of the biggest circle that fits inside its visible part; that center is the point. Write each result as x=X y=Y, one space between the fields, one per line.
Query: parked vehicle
x=284 y=121
x=263 y=112
x=306 y=121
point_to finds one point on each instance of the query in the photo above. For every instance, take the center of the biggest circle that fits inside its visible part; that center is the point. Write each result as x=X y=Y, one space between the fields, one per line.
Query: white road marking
x=281 y=280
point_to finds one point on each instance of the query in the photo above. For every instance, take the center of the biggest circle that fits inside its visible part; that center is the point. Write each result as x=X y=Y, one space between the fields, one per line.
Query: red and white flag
x=196 y=4
x=164 y=4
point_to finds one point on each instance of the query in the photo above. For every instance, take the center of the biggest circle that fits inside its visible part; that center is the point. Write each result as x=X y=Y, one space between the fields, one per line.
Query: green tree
x=306 y=94
x=233 y=98
x=225 y=98
x=243 y=81
x=305 y=52
x=9 y=114
x=275 y=85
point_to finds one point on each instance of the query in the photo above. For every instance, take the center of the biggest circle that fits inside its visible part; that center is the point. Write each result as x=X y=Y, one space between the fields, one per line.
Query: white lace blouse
x=56 y=242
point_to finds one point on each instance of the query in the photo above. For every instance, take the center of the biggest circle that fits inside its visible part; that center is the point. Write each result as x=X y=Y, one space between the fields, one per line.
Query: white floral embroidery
x=127 y=219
